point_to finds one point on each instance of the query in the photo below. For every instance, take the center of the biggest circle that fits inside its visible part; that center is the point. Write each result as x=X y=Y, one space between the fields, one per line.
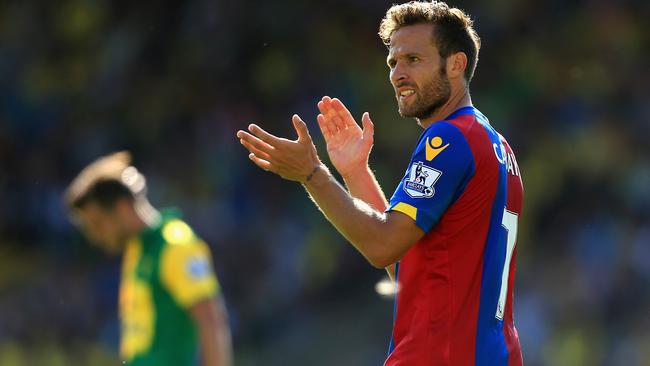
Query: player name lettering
x=509 y=161
x=513 y=168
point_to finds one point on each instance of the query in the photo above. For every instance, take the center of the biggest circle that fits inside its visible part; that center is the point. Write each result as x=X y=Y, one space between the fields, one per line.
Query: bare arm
x=349 y=149
x=381 y=237
x=214 y=334
x=363 y=185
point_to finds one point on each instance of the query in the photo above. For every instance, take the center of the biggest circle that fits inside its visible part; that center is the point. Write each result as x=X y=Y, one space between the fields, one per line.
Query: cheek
x=110 y=230
x=103 y=231
x=430 y=80
x=420 y=76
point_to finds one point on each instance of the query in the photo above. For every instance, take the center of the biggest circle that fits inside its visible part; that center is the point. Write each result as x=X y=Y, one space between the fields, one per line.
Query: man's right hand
x=348 y=145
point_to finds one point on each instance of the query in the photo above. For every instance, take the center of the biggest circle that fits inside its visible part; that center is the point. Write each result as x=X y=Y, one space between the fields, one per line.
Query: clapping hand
x=295 y=160
x=348 y=145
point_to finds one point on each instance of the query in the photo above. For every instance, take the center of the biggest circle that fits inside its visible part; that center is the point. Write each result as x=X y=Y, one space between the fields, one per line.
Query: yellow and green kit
x=166 y=270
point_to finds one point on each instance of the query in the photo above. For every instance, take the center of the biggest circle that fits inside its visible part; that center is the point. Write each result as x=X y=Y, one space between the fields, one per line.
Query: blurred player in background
x=170 y=306
x=449 y=230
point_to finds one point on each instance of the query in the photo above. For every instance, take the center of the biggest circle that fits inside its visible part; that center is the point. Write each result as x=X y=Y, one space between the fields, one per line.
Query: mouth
x=405 y=94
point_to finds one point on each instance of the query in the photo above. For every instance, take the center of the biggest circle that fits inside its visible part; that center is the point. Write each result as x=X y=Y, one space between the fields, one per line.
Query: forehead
x=412 y=38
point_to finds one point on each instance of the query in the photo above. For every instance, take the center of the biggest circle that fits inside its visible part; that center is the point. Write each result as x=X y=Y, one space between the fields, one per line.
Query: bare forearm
x=363 y=185
x=214 y=335
x=215 y=349
x=381 y=237
x=362 y=225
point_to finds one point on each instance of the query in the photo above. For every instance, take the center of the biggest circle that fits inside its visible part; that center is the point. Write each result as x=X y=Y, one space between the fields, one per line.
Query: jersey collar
x=463 y=111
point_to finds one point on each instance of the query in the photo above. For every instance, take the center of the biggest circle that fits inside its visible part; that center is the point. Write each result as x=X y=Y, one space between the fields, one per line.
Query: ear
x=456 y=65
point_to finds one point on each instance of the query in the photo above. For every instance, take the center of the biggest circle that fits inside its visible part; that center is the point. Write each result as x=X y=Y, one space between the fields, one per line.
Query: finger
x=255 y=142
x=324 y=104
x=321 y=107
x=261 y=162
x=324 y=126
x=245 y=137
x=343 y=113
x=334 y=117
x=263 y=135
x=255 y=150
x=331 y=117
x=324 y=120
x=301 y=128
x=368 y=126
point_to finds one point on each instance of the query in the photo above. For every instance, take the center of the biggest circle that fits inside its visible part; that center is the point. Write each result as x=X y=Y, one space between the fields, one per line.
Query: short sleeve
x=437 y=174
x=186 y=266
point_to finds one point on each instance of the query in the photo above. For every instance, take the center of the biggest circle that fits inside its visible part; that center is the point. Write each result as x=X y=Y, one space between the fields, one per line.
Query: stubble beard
x=432 y=96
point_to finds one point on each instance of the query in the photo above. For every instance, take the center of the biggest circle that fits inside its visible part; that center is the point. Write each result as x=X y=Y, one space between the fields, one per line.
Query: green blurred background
x=565 y=81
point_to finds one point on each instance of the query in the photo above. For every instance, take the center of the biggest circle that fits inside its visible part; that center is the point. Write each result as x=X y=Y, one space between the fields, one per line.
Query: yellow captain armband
x=405 y=208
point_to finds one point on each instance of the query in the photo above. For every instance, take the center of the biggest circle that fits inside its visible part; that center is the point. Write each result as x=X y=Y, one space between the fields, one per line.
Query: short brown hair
x=454 y=31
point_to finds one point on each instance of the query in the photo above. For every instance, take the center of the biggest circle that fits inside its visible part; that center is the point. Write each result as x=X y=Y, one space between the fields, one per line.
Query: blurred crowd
x=565 y=81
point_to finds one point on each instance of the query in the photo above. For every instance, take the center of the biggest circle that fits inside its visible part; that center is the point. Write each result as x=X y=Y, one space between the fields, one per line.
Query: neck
x=458 y=99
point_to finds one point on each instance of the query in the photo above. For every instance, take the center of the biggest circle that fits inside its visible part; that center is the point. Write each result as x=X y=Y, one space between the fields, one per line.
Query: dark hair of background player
x=104 y=193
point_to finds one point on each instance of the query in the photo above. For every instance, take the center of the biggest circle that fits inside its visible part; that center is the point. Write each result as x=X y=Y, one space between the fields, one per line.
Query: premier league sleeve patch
x=198 y=267
x=186 y=272
x=420 y=180
x=422 y=193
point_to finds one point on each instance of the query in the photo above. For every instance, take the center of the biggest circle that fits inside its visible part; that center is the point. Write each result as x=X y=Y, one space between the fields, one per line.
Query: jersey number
x=509 y=222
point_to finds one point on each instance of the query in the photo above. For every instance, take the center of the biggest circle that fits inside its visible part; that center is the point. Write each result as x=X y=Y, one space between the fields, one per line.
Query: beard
x=433 y=95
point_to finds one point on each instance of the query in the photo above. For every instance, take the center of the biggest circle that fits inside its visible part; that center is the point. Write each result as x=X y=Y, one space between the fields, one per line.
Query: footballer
x=170 y=308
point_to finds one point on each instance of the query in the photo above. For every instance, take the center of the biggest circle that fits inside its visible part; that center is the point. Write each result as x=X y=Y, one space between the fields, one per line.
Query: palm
x=347 y=149
x=348 y=145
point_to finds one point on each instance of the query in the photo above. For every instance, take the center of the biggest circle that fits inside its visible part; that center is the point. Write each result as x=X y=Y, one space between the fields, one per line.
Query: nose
x=398 y=74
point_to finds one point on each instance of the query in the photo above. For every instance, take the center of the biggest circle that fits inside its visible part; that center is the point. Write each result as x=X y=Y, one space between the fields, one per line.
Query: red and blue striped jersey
x=463 y=188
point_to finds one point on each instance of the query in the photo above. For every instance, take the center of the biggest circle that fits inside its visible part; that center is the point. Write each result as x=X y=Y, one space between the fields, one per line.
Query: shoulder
x=186 y=264
x=180 y=241
x=471 y=126
x=177 y=232
x=482 y=139
x=181 y=247
x=450 y=130
x=443 y=141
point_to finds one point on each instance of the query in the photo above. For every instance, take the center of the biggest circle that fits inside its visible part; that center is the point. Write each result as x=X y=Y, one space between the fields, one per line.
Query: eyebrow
x=390 y=58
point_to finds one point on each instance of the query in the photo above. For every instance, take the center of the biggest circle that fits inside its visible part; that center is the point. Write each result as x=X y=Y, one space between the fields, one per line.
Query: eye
x=413 y=59
x=391 y=63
